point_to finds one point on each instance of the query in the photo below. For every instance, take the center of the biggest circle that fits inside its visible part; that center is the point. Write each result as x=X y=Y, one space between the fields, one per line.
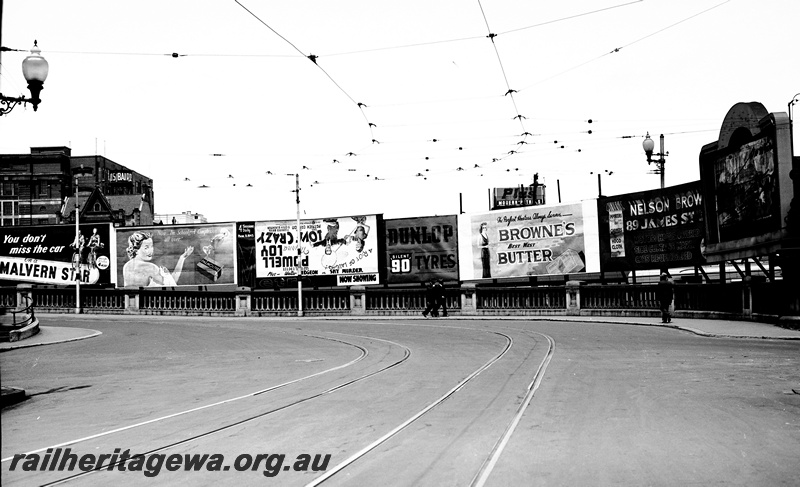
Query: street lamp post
x=648 y=145
x=34 y=69
x=299 y=250
x=76 y=259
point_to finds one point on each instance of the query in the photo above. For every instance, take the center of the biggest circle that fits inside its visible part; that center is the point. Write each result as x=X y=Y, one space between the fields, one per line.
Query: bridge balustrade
x=205 y=302
x=101 y=300
x=619 y=296
x=314 y=301
x=54 y=299
x=726 y=298
x=8 y=297
x=731 y=300
x=498 y=298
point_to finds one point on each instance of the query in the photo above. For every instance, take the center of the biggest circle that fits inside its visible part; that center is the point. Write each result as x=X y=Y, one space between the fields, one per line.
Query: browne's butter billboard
x=54 y=254
x=533 y=241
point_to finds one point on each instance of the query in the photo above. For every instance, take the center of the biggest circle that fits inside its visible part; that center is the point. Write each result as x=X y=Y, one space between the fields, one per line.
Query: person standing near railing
x=432 y=300
x=665 y=294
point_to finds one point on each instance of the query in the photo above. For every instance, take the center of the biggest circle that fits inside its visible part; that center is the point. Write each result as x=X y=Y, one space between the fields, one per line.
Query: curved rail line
x=406 y=356
x=479 y=479
x=364 y=354
x=364 y=451
x=488 y=465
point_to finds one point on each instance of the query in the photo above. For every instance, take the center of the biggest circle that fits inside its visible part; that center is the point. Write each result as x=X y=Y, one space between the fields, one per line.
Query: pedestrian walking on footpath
x=665 y=294
x=432 y=300
x=441 y=299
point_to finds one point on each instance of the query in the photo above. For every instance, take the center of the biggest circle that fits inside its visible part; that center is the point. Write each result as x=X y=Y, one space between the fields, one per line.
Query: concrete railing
x=17 y=321
x=741 y=300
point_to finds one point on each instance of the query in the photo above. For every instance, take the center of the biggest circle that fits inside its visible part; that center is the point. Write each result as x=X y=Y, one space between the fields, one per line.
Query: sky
x=405 y=109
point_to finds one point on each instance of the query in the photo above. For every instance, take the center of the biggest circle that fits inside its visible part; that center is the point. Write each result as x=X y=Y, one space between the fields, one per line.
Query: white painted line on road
x=364 y=353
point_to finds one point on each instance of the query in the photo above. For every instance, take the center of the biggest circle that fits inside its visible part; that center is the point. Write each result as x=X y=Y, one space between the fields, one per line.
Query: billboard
x=44 y=254
x=343 y=250
x=540 y=240
x=747 y=186
x=651 y=229
x=518 y=196
x=176 y=255
x=246 y=253
x=746 y=190
x=420 y=249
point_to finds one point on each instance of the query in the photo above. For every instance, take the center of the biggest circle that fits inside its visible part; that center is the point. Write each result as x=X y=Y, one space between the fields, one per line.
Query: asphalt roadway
x=407 y=402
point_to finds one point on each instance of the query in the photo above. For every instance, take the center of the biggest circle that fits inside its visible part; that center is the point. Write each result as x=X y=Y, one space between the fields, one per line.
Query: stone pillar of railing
x=131 y=301
x=24 y=295
x=747 y=297
x=358 y=301
x=243 y=301
x=468 y=304
x=573 y=289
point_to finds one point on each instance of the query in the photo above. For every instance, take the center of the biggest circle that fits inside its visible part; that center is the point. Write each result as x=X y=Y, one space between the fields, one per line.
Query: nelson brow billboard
x=651 y=229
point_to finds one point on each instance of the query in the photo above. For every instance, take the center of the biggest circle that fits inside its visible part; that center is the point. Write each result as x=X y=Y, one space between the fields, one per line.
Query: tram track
x=487 y=466
x=362 y=454
x=362 y=356
x=406 y=356
x=364 y=353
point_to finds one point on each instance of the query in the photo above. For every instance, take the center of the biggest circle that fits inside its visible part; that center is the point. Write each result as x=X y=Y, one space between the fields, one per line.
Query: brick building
x=39 y=189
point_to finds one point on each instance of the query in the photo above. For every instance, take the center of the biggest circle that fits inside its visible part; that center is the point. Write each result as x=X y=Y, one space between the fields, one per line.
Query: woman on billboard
x=139 y=271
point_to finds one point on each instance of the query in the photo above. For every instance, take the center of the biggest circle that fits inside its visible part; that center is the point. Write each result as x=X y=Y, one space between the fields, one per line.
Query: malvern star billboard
x=44 y=254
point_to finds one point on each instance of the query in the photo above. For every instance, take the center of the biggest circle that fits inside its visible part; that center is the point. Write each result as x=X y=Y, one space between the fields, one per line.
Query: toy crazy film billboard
x=651 y=229
x=176 y=255
x=527 y=241
x=55 y=254
x=420 y=249
x=343 y=249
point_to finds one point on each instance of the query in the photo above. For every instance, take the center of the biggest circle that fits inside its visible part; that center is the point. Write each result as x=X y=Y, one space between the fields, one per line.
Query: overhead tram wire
x=346 y=53
x=470 y=38
x=569 y=17
x=618 y=49
x=313 y=58
x=510 y=92
x=414 y=45
x=671 y=25
x=169 y=54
